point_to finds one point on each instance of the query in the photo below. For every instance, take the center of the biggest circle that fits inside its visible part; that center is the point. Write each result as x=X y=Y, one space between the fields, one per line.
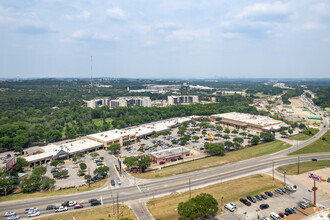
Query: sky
x=165 y=38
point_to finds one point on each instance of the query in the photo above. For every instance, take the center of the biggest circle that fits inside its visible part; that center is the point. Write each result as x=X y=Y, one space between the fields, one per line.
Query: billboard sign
x=11 y=164
x=315 y=177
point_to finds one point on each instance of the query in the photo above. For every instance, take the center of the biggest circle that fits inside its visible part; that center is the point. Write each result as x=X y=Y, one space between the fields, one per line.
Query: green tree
x=234 y=132
x=238 y=140
x=267 y=137
x=102 y=170
x=83 y=166
x=219 y=128
x=21 y=162
x=31 y=184
x=226 y=137
x=195 y=137
x=74 y=159
x=55 y=163
x=215 y=149
x=18 y=149
x=87 y=177
x=39 y=171
x=203 y=206
x=94 y=154
x=47 y=183
x=6 y=184
x=227 y=131
x=255 y=140
x=21 y=140
x=114 y=148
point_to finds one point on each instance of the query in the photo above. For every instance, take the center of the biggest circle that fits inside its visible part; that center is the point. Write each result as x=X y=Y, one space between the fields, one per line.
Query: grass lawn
x=19 y=196
x=230 y=157
x=100 y=212
x=99 y=121
x=231 y=191
x=318 y=146
x=300 y=137
x=292 y=169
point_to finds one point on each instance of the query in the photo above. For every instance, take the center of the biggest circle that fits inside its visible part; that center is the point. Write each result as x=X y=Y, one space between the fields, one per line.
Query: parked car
x=263 y=196
x=118 y=182
x=113 y=183
x=283 y=190
x=245 y=202
x=80 y=174
x=302 y=205
x=78 y=206
x=53 y=170
x=287 y=213
x=74 y=166
x=282 y=215
x=269 y=194
x=95 y=203
x=229 y=207
x=7 y=214
x=279 y=191
x=274 y=216
x=290 y=188
x=252 y=199
x=61 y=209
x=265 y=218
x=258 y=197
x=50 y=207
x=161 y=162
x=264 y=206
x=33 y=214
x=13 y=217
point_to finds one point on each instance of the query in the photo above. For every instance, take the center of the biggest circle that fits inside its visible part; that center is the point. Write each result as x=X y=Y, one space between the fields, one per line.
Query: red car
x=143 y=151
x=282 y=215
x=161 y=162
x=78 y=206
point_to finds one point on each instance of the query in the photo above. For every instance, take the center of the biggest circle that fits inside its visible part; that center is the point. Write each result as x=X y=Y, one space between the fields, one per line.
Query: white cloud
x=87 y=35
x=116 y=13
x=188 y=34
x=77 y=17
x=264 y=9
x=312 y=26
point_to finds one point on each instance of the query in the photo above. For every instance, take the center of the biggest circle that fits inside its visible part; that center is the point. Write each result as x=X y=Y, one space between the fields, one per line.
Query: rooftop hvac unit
x=106 y=136
x=71 y=144
x=101 y=134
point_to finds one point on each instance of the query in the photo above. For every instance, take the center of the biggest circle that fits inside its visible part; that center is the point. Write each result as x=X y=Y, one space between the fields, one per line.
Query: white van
x=274 y=216
x=230 y=207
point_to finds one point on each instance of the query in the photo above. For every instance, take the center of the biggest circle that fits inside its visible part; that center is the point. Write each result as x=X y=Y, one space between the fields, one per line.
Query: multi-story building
x=130 y=101
x=174 y=100
x=95 y=103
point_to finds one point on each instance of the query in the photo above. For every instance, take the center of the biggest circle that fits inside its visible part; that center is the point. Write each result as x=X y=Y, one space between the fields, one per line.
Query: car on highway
x=33 y=214
x=92 y=200
x=31 y=210
x=302 y=205
x=264 y=206
x=95 y=203
x=229 y=207
x=274 y=216
x=61 y=209
x=269 y=194
x=245 y=201
x=72 y=203
x=13 y=217
x=7 y=214
x=78 y=206
x=51 y=207
x=252 y=199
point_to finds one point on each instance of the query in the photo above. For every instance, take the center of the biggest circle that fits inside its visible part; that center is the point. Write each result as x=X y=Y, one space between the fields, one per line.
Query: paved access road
x=148 y=188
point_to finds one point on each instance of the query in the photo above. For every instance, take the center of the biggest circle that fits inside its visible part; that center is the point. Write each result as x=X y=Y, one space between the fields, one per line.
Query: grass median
x=100 y=212
x=321 y=145
x=302 y=136
x=19 y=195
x=231 y=191
x=304 y=167
x=230 y=157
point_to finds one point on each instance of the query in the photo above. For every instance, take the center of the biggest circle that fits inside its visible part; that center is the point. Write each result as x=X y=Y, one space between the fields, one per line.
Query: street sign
x=315 y=177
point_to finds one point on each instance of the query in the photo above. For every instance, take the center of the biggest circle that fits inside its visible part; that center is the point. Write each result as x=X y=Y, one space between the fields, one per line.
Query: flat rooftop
x=170 y=152
x=70 y=147
x=140 y=130
x=263 y=121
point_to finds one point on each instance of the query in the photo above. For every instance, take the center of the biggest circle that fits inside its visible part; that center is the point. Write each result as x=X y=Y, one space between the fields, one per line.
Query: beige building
x=174 y=100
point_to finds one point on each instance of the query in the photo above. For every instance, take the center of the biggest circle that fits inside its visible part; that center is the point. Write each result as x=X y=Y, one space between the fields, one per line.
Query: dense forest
x=41 y=111
x=290 y=94
x=323 y=97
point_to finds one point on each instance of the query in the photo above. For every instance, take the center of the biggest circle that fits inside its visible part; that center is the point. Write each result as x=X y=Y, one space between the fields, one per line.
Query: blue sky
x=165 y=38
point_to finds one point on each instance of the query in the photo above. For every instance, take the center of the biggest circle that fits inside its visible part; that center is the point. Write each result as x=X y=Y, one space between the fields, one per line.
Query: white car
x=229 y=207
x=265 y=218
x=31 y=210
x=7 y=214
x=13 y=217
x=61 y=209
x=274 y=216
x=74 y=166
x=33 y=214
x=72 y=203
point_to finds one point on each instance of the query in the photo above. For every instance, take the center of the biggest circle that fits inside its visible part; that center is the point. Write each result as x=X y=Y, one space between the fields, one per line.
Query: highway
x=157 y=187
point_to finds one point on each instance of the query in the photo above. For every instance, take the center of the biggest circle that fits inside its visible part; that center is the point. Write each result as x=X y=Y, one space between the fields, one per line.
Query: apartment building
x=174 y=100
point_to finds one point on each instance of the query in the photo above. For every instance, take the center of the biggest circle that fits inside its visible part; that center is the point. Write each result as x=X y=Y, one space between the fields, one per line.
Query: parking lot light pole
x=298 y=164
x=284 y=172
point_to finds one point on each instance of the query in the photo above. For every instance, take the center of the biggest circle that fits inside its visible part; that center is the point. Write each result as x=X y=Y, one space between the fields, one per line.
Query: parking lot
x=278 y=203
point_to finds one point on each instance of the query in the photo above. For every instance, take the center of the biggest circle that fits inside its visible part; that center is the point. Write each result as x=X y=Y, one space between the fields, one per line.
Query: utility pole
x=273 y=171
x=189 y=189
x=298 y=164
x=284 y=172
x=117 y=207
